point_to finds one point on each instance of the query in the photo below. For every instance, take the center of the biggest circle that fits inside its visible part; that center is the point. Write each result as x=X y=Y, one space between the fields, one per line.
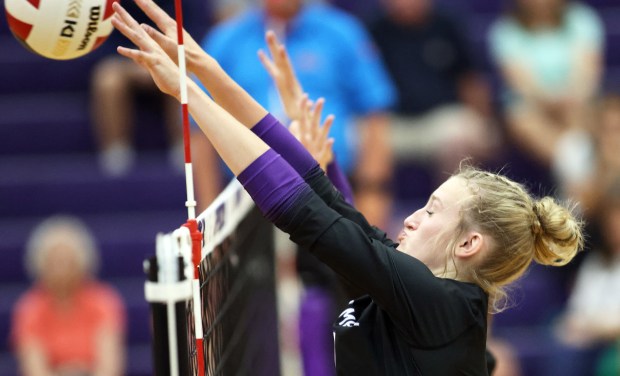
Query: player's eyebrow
x=436 y=199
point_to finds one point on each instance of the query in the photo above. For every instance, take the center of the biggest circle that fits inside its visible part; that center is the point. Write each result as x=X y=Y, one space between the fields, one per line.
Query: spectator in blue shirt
x=334 y=58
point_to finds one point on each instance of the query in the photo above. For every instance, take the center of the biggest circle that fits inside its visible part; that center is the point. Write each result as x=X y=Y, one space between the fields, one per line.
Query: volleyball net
x=221 y=320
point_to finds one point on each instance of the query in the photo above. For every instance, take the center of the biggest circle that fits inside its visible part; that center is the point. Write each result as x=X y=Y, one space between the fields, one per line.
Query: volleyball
x=60 y=29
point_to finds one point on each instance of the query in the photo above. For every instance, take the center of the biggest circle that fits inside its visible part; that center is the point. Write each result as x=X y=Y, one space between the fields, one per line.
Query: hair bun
x=536 y=225
x=557 y=233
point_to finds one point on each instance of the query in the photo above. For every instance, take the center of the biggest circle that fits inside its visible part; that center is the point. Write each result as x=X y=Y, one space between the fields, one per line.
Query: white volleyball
x=60 y=29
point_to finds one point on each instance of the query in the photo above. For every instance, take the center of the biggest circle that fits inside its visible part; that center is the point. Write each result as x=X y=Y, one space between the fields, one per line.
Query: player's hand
x=281 y=71
x=314 y=136
x=149 y=54
x=166 y=36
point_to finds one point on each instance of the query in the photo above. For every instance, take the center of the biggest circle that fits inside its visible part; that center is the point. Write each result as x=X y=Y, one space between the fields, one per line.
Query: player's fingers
x=303 y=115
x=330 y=144
x=167 y=44
x=267 y=63
x=163 y=21
x=327 y=125
x=307 y=114
x=134 y=55
x=121 y=26
x=285 y=64
x=278 y=51
x=294 y=129
x=128 y=26
x=329 y=151
x=124 y=15
x=316 y=114
x=272 y=42
x=326 y=146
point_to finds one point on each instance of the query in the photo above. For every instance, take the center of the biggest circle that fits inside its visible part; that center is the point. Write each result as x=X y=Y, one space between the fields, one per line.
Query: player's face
x=426 y=232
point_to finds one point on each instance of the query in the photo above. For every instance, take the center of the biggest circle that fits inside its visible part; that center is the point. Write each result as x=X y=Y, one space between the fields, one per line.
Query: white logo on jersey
x=348 y=318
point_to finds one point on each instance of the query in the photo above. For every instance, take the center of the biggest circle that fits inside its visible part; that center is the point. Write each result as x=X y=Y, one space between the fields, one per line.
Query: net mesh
x=237 y=291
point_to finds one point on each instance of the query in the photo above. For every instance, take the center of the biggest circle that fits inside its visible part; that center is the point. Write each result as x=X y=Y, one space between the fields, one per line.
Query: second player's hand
x=314 y=136
x=283 y=75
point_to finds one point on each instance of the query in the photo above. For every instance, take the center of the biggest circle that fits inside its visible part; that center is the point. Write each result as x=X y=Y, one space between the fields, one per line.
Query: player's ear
x=470 y=244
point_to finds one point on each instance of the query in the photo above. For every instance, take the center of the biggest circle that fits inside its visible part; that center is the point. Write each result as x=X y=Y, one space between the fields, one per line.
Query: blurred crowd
x=411 y=90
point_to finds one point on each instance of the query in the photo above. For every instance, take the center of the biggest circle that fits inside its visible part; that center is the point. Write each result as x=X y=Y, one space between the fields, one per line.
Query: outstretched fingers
x=276 y=49
x=306 y=120
x=281 y=58
x=163 y=21
x=167 y=44
x=130 y=28
x=135 y=55
x=327 y=125
x=270 y=67
x=315 y=116
x=279 y=67
x=311 y=133
x=272 y=42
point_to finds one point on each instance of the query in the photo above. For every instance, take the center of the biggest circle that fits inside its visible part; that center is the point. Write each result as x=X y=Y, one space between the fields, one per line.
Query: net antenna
x=189 y=176
x=190 y=203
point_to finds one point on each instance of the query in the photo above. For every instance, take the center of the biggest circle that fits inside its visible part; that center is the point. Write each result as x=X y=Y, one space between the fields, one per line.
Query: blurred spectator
x=334 y=58
x=119 y=88
x=225 y=9
x=444 y=110
x=592 y=319
x=589 y=158
x=550 y=55
x=67 y=324
x=116 y=82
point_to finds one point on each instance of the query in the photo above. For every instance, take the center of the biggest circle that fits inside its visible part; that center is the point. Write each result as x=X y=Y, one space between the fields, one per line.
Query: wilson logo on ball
x=60 y=29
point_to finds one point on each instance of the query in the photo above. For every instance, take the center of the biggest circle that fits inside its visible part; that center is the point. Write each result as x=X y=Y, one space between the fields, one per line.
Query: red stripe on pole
x=201 y=360
x=178 y=11
x=188 y=153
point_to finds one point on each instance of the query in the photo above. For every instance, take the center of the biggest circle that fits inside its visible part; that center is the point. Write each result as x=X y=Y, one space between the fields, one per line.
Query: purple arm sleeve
x=273 y=184
x=340 y=181
x=270 y=130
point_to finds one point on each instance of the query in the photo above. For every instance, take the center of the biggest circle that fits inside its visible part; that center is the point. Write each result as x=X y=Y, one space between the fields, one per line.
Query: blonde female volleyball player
x=421 y=303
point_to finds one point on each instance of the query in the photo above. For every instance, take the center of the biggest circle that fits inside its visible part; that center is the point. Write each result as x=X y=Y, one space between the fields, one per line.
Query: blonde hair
x=522 y=229
x=65 y=230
